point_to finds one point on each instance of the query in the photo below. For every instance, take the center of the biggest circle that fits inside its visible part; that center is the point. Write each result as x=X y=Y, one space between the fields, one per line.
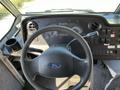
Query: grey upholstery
x=7 y=81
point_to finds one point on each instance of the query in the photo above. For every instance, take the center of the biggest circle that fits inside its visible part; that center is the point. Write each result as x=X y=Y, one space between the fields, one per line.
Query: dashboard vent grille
x=94 y=26
x=32 y=26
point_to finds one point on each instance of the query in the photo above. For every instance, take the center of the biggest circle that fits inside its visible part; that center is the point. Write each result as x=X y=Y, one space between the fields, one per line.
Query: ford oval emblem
x=54 y=65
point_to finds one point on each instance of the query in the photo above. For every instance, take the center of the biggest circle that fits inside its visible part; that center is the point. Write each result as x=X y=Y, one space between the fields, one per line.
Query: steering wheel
x=56 y=62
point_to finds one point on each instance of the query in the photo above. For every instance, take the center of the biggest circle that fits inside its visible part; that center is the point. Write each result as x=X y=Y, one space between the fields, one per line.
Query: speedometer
x=77 y=29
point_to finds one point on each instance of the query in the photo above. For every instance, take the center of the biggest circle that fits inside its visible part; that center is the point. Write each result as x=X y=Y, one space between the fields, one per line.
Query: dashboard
x=104 y=46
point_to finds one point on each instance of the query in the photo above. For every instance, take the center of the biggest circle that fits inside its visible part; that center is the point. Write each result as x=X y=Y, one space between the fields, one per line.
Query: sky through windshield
x=95 y=5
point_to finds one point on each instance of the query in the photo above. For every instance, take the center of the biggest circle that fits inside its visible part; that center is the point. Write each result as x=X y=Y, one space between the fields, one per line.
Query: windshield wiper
x=69 y=10
x=64 y=10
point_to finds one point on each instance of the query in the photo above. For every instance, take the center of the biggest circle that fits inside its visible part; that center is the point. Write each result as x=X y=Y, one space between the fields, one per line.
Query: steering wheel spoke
x=48 y=83
x=31 y=66
x=80 y=67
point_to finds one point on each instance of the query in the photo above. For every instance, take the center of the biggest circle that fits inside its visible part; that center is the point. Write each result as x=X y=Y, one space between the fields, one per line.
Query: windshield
x=94 y=5
x=6 y=21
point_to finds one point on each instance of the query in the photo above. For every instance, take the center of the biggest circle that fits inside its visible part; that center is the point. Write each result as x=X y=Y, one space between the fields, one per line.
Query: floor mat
x=101 y=76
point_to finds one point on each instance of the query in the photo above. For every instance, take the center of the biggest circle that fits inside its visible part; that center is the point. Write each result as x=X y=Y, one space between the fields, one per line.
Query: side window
x=6 y=21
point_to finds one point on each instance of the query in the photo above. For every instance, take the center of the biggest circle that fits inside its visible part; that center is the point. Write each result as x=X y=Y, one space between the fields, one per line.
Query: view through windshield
x=6 y=20
x=42 y=5
x=94 y=5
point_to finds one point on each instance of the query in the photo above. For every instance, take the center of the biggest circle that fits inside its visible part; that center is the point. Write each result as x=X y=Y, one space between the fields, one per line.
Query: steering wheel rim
x=69 y=31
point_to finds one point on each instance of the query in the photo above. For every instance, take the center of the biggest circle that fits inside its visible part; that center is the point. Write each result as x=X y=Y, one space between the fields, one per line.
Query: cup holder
x=13 y=44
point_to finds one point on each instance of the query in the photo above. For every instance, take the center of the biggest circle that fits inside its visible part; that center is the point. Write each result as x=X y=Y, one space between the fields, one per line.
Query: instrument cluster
x=105 y=46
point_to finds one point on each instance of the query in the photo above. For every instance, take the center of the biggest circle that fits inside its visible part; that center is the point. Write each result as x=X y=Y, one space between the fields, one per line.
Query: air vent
x=94 y=26
x=32 y=25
